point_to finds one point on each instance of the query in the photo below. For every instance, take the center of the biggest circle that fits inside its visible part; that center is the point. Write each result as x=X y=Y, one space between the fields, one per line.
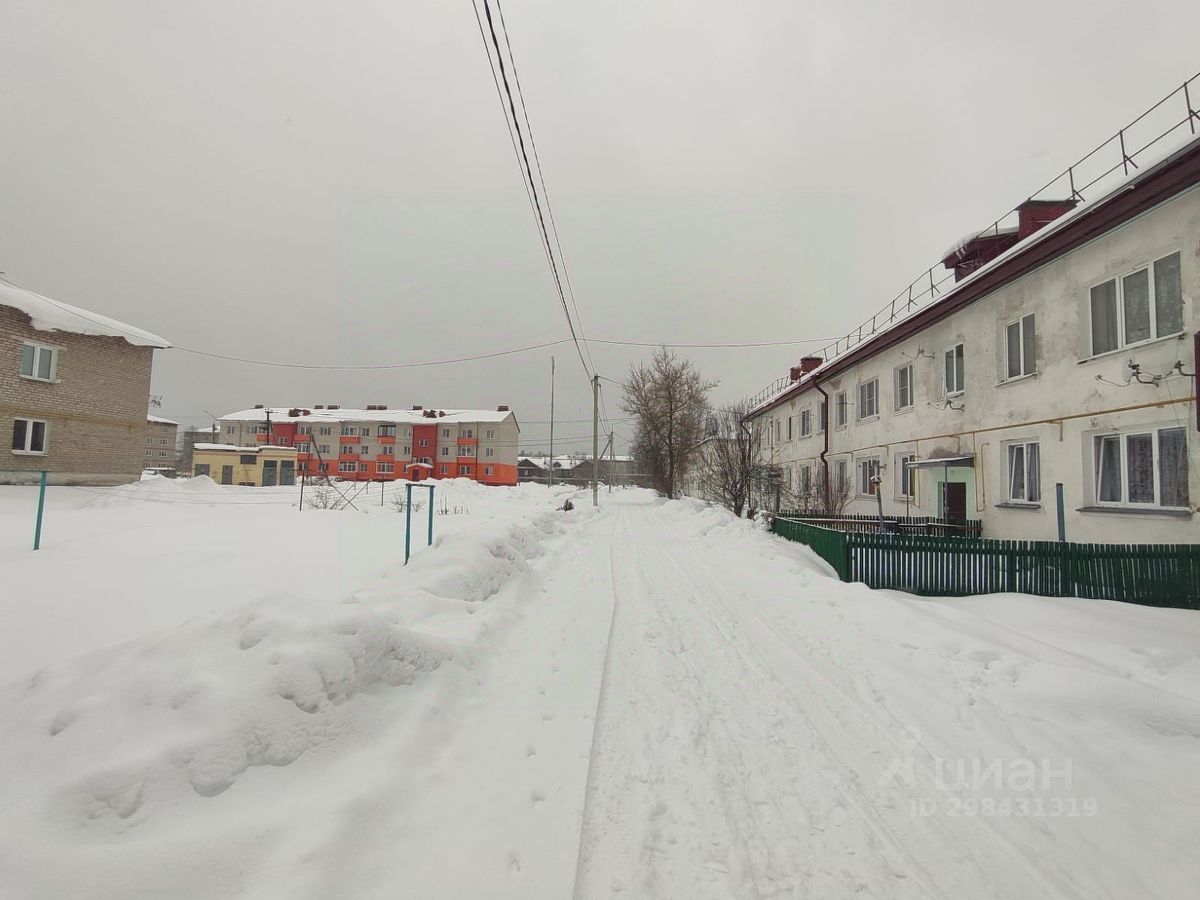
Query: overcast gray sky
x=308 y=180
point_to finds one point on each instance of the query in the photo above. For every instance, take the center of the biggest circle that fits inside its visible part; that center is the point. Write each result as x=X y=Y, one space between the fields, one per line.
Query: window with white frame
x=387 y=430
x=778 y=432
x=423 y=442
x=464 y=470
x=1024 y=472
x=954 y=379
x=466 y=432
x=840 y=410
x=868 y=473
x=491 y=433
x=868 y=399
x=1143 y=468
x=362 y=467
x=468 y=450
x=445 y=432
x=840 y=477
x=488 y=452
x=345 y=466
x=230 y=429
x=38 y=361
x=805 y=479
x=445 y=470
x=324 y=448
x=29 y=436
x=349 y=429
x=365 y=432
x=384 y=468
x=906 y=476
x=805 y=422
x=407 y=450
x=445 y=451
x=1137 y=307
x=487 y=470
x=1020 y=356
x=822 y=416
x=387 y=450
x=902 y=382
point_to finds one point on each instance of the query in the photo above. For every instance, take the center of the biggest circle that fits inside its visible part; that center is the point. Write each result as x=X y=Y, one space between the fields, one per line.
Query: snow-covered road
x=652 y=701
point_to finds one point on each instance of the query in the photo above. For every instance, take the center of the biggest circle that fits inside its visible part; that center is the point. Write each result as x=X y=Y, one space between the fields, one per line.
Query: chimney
x=807 y=364
x=293 y=412
x=333 y=406
x=501 y=409
x=258 y=406
x=417 y=407
x=318 y=406
x=1033 y=214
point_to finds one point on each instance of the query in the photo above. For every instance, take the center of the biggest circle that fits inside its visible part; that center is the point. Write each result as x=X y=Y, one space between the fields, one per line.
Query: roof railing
x=1096 y=173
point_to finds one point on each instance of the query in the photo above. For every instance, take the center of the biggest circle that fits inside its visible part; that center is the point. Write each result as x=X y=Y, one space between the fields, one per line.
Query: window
x=305 y=429
x=1024 y=473
x=840 y=478
x=230 y=429
x=489 y=452
x=839 y=410
x=467 y=432
x=954 y=377
x=387 y=430
x=445 y=470
x=366 y=432
x=445 y=451
x=324 y=448
x=384 y=468
x=868 y=399
x=822 y=416
x=346 y=466
x=868 y=472
x=38 y=362
x=789 y=421
x=362 y=467
x=424 y=442
x=805 y=480
x=778 y=431
x=248 y=459
x=464 y=470
x=1019 y=353
x=348 y=429
x=468 y=450
x=1142 y=469
x=445 y=432
x=487 y=470
x=387 y=450
x=1137 y=307
x=326 y=430
x=906 y=476
x=805 y=422
x=903 y=382
x=491 y=433
x=407 y=450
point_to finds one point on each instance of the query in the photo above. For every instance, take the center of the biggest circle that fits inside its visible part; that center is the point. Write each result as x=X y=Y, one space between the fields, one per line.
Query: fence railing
x=865 y=524
x=1149 y=574
x=1144 y=140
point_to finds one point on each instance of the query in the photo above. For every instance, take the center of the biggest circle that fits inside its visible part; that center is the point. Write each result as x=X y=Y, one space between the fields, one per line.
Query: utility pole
x=612 y=460
x=595 y=440
x=551 y=464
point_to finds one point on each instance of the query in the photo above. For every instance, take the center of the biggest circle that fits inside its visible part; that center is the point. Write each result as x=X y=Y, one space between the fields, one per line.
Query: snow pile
x=53 y=315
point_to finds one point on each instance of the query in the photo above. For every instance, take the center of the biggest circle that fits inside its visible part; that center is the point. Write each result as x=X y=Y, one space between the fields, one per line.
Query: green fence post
x=37 y=530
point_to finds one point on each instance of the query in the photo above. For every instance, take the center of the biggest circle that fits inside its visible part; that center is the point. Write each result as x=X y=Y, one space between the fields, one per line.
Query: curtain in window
x=1104 y=317
x=1168 y=295
x=1108 y=469
x=1173 y=467
x=1135 y=289
x=1033 y=479
x=1140 y=451
x=1016 y=472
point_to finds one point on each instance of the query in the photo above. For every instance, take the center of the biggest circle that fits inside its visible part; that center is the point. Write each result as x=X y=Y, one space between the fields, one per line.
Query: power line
x=514 y=124
x=411 y=365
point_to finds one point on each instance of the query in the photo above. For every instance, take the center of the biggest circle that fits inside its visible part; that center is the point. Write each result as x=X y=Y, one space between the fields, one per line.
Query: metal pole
x=1062 y=518
x=551 y=464
x=595 y=440
x=612 y=460
x=37 y=531
x=303 y=476
x=407 y=522
x=429 y=543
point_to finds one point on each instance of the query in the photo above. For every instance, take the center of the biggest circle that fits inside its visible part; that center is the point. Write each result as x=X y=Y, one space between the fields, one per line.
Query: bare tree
x=667 y=401
x=811 y=497
x=724 y=460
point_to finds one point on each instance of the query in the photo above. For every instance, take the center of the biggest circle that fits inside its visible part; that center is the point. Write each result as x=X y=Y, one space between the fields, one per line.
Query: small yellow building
x=261 y=466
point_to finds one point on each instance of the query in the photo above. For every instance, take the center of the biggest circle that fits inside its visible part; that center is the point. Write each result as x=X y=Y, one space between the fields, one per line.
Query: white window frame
x=445 y=469
x=1010 y=449
x=865 y=468
x=806 y=422
x=488 y=452
x=29 y=423
x=1123 y=437
x=841 y=410
x=841 y=474
x=487 y=470
x=1152 y=298
x=1027 y=355
x=897 y=405
x=423 y=442
x=871 y=387
x=38 y=349
x=491 y=433
x=384 y=468
x=904 y=468
x=957 y=389
x=345 y=467
x=822 y=415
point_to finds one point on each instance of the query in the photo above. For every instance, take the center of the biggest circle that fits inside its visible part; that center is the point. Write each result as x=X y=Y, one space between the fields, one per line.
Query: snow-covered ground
x=212 y=694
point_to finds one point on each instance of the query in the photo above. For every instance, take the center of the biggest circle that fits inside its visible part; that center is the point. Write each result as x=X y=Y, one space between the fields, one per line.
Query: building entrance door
x=270 y=473
x=226 y=474
x=287 y=472
x=954 y=502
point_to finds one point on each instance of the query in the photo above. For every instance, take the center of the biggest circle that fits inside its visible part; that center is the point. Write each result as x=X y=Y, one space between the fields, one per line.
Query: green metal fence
x=1149 y=574
x=929 y=525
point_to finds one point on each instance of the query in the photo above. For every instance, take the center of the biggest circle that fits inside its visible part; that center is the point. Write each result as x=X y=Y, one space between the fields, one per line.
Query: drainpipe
x=825 y=449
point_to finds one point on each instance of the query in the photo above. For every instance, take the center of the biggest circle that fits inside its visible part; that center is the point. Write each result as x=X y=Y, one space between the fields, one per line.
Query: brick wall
x=95 y=410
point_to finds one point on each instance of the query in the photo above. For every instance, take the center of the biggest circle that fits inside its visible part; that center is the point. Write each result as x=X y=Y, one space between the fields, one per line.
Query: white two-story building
x=1066 y=354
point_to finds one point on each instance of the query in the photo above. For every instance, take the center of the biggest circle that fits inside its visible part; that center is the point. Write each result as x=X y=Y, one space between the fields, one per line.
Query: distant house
x=258 y=466
x=73 y=389
x=161 y=435
x=189 y=440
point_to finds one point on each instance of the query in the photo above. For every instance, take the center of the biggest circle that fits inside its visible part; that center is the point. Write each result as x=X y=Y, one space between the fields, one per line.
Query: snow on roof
x=234 y=448
x=53 y=315
x=160 y=421
x=342 y=414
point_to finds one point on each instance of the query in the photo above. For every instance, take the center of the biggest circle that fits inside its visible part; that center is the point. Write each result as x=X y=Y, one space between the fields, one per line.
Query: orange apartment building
x=381 y=444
